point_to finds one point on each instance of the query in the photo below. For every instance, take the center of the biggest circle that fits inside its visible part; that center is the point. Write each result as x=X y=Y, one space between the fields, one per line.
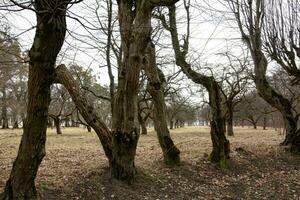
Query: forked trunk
x=220 y=144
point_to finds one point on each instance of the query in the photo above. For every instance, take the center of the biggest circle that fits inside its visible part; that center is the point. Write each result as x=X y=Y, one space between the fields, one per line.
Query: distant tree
x=234 y=83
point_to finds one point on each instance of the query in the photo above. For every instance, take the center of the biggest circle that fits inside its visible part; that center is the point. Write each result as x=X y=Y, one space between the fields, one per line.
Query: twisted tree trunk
x=49 y=37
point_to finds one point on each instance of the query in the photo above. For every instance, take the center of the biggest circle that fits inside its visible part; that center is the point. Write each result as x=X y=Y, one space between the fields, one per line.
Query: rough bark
x=156 y=84
x=86 y=109
x=49 y=37
x=221 y=148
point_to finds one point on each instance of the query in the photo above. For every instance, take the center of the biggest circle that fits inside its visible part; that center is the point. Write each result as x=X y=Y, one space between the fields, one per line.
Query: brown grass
x=75 y=167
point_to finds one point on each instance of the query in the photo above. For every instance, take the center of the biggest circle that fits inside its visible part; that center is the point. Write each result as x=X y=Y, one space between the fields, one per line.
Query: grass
x=75 y=167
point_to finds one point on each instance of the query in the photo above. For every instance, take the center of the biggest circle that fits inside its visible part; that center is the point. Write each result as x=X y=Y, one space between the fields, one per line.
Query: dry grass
x=75 y=167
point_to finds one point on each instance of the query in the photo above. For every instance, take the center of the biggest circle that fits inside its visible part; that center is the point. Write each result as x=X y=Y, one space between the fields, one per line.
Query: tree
x=132 y=16
x=220 y=151
x=234 y=83
x=10 y=57
x=281 y=35
x=249 y=16
x=49 y=37
x=60 y=107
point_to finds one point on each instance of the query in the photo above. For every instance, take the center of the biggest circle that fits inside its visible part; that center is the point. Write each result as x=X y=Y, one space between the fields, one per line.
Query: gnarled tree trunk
x=156 y=84
x=49 y=37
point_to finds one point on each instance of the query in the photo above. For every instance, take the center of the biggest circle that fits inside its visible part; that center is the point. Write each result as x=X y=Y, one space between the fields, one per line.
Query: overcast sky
x=211 y=33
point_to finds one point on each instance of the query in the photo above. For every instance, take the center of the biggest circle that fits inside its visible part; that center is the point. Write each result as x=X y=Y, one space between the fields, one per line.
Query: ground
x=75 y=167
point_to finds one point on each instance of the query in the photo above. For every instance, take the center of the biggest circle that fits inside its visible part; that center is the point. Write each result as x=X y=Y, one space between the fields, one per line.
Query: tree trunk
x=221 y=148
x=4 y=117
x=89 y=129
x=229 y=121
x=85 y=108
x=49 y=37
x=57 y=125
x=254 y=42
x=254 y=125
x=171 y=124
x=265 y=122
x=143 y=124
x=156 y=84
x=125 y=117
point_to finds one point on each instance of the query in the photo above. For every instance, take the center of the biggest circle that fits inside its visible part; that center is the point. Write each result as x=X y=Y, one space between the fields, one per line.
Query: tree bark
x=221 y=147
x=156 y=84
x=49 y=37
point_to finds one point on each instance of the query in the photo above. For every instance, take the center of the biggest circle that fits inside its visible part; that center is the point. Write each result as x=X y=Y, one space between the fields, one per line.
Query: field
x=76 y=168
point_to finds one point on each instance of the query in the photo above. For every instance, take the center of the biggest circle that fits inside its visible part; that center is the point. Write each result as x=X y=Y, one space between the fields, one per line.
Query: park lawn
x=75 y=167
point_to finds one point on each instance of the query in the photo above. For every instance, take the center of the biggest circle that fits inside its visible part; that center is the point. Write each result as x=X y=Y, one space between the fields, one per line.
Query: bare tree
x=221 y=148
x=234 y=83
x=249 y=16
